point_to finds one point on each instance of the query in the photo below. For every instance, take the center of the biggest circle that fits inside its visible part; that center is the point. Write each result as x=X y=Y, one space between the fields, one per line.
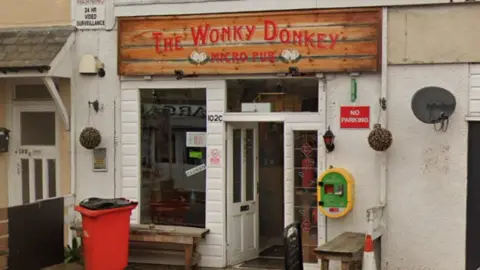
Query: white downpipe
x=73 y=149
x=323 y=96
x=383 y=119
x=377 y=232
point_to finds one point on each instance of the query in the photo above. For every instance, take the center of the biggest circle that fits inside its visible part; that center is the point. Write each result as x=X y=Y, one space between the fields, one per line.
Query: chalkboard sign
x=292 y=237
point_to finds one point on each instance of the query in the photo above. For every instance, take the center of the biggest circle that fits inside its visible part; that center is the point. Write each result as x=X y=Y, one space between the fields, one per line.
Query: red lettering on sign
x=355 y=117
x=234 y=57
x=267 y=25
x=226 y=34
x=333 y=39
x=199 y=34
x=205 y=34
x=178 y=43
x=237 y=33
x=164 y=44
x=250 y=31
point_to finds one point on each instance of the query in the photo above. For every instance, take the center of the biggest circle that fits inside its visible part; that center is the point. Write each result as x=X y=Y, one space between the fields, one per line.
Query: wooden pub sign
x=345 y=40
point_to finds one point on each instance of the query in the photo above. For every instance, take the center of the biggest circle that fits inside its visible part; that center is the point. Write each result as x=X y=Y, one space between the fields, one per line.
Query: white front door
x=242 y=195
x=34 y=154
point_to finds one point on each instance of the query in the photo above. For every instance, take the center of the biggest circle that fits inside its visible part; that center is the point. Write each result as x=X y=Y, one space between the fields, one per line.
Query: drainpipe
x=323 y=97
x=383 y=121
x=73 y=152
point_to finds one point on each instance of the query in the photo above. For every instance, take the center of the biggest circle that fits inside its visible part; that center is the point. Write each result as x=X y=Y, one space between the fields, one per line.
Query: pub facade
x=225 y=121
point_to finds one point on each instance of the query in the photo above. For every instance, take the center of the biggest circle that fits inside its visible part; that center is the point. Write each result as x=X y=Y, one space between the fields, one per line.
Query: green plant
x=73 y=253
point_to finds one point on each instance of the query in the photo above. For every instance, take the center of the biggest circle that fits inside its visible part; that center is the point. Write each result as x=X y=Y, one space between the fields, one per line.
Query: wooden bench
x=185 y=237
x=347 y=248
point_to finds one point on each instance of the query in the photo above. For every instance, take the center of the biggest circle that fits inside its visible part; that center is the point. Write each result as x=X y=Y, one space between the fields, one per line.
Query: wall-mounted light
x=91 y=65
x=179 y=74
x=95 y=105
x=329 y=140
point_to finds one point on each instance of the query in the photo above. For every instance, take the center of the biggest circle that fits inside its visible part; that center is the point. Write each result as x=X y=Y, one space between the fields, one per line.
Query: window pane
x=305 y=202
x=272 y=95
x=25 y=171
x=37 y=128
x=52 y=179
x=38 y=179
x=250 y=163
x=237 y=165
x=173 y=173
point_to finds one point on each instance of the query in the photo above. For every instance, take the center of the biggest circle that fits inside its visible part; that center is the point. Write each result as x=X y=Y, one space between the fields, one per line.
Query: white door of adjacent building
x=242 y=195
x=34 y=154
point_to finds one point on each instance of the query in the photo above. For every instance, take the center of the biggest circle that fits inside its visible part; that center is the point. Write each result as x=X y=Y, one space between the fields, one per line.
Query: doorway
x=473 y=201
x=34 y=155
x=255 y=194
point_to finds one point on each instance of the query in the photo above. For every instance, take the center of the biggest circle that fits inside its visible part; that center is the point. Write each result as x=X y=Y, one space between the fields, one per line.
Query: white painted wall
x=474 y=95
x=106 y=91
x=169 y=7
x=214 y=249
x=427 y=174
x=103 y=44
x=352 y=151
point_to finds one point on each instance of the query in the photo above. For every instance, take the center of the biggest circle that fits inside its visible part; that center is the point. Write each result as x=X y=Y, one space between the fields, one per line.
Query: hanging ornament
x=90 y=138
x=380 y=139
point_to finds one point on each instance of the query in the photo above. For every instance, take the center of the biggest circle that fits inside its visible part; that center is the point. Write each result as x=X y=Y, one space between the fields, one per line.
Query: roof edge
x=39 y=28
x=40 y=69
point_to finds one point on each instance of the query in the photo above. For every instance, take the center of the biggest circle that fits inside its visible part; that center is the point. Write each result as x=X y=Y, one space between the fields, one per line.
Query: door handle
x=19 y=168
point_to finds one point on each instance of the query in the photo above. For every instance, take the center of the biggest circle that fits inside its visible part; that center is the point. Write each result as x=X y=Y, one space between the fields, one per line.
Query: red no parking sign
x=355 y=117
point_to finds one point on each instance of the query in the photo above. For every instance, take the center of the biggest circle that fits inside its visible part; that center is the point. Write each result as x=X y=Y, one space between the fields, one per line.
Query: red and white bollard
x=369 y=262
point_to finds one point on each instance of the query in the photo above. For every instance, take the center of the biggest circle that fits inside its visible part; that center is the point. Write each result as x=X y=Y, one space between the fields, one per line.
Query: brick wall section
x=3 y=238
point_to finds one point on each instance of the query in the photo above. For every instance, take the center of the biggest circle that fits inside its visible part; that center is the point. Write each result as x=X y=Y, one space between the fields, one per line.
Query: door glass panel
x=38 y=179
x=52 y=181
x=250 y=162
x=305 y=203
x=37 y=128
x=237 y=165
x=25 y=171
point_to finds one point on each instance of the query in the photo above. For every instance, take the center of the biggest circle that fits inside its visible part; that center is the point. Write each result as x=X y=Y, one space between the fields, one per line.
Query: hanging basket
x=90 y=138
x=380 y=139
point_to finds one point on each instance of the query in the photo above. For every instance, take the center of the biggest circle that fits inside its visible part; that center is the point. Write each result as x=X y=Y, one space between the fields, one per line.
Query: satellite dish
x=433 y=105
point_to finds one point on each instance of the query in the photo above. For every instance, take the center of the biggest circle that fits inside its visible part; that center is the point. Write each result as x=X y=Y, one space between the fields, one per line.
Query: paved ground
x=131 y=267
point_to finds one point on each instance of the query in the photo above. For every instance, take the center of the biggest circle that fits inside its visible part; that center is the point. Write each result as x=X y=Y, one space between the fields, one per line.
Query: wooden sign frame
x=309 y=41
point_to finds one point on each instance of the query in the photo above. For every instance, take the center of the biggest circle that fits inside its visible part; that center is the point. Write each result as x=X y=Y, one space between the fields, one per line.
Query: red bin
x=106 y=232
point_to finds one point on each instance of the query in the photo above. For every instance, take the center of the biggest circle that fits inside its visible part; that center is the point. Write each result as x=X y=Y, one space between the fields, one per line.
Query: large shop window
x=305 y=168
x=173 y=156
x=272 y=95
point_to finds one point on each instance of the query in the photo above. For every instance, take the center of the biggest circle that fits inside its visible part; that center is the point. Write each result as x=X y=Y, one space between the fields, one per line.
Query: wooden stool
x=347 y=248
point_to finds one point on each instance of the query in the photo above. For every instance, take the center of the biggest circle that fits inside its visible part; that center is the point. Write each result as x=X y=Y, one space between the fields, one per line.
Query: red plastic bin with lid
x=105 y=236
